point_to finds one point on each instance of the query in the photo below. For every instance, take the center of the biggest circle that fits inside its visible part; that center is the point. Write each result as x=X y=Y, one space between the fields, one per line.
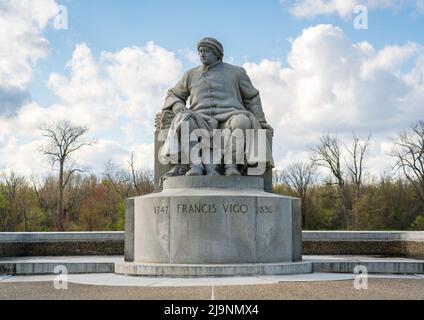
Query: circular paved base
x=129 y=281
x=214 y=270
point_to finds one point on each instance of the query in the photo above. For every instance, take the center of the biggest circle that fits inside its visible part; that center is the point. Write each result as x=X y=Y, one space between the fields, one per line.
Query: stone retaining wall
x=61 y=244
x=394 y=243
x=399 y=244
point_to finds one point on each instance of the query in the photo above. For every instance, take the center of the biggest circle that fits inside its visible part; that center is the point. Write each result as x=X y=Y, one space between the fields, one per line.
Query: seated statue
x=221 y=97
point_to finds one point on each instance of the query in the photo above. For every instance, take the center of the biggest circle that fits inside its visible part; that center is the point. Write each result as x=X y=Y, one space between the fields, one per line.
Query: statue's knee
x=240 y=122
x=188 y=125
x=192 y=124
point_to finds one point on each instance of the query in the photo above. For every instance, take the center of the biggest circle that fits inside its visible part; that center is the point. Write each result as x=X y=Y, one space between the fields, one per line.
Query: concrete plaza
x=93 y=278
x=399 y=287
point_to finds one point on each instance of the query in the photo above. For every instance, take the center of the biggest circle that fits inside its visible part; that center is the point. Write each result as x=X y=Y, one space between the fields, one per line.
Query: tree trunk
x=303 y=209
x=61 y=214
x=357 y=194
x=25 y=220
x=345 y=205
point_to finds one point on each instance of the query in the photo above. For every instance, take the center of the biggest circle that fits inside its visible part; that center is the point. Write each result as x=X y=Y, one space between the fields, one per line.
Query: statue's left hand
x=266 y=126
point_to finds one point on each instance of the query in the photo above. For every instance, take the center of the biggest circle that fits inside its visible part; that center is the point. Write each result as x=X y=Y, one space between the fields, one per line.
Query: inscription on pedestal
x=212 y=208
x=207 y=208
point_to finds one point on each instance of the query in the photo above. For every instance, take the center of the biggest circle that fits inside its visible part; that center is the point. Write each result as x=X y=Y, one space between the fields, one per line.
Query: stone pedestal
x=211 y=221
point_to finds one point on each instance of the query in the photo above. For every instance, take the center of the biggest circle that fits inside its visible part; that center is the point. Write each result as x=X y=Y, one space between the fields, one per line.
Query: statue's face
x=207 y=56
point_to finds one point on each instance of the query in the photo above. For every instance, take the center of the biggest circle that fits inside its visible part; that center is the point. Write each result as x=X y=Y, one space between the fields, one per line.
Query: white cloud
x=115 y=96
x=390 y=59
x=343 y=8
x=332 y=85
x=21 y=45
x=23 y=157
x=144 y=155
x=129 y=83
x=103 y=150
x=190 y=55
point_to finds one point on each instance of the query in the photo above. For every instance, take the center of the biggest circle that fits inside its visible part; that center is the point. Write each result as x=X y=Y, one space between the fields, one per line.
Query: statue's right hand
x=179 y=108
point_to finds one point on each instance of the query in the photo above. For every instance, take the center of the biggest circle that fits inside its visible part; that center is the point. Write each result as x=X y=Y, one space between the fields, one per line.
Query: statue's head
x=210 y=51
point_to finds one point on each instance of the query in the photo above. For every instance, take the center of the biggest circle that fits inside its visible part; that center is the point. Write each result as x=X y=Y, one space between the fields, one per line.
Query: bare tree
x=128 y=182
x=45 y=190
x=327 y=154
x=355 y=166
x=64 y=139
x=116 y=178
x=142 y=180
x=299 y=177
x=346 y=169
x=39 y=188
x=134 y=176
x=277 y=177
x=13 y=183
x=409 y=156
x=351 y=166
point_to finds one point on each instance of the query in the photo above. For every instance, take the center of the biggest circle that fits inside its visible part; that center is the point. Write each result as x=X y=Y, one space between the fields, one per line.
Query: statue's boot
x=231 y=170
x=184 y=168
x=195 y=170
x=173 y=172
x=211 y=170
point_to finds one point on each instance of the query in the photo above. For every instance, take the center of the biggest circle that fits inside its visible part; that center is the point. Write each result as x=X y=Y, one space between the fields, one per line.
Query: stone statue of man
x=221 y=97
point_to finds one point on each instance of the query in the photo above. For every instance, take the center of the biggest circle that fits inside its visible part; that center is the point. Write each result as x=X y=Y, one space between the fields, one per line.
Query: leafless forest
x=337 y=191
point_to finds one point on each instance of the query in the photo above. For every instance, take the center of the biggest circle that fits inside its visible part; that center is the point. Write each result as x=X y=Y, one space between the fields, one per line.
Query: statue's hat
x=213 y=44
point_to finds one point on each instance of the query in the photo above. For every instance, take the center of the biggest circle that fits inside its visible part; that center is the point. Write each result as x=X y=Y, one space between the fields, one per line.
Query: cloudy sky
x=110 y=69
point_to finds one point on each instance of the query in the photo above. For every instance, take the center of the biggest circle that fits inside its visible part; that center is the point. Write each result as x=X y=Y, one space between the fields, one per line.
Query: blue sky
x=317 y=74
x=249 y=30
